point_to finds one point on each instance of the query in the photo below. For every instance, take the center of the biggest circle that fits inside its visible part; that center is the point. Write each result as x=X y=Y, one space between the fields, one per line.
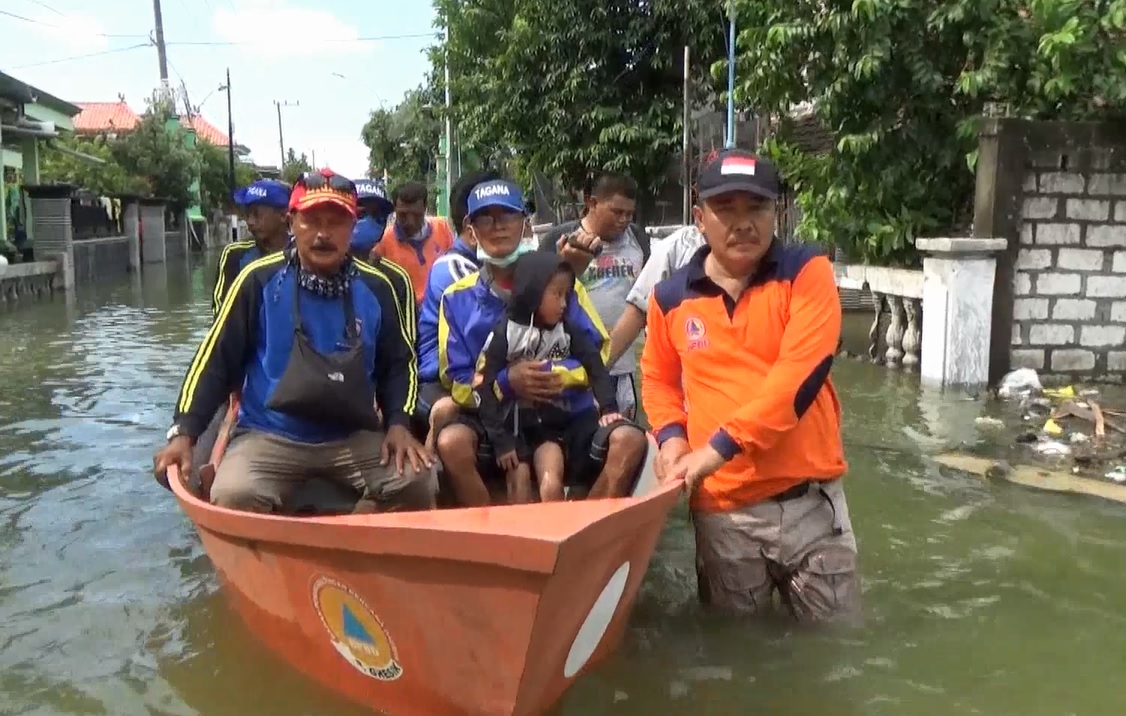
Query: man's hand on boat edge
x=399 y=445
x=177 y=452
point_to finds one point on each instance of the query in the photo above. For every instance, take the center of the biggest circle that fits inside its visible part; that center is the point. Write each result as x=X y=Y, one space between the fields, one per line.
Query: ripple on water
x=108 y=605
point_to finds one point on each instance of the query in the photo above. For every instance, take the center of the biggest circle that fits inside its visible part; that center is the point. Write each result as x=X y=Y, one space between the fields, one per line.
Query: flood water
x=980 y=599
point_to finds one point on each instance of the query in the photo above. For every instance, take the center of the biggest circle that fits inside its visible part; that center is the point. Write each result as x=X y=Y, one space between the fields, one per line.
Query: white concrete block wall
x=1069 y=316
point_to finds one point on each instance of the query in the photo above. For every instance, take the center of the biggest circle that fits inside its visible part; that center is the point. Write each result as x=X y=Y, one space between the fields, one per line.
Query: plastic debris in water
x=1065 y=392
x=1051 y=448
x=1078 y=438
x=1118 y=474
x=1020 y=382
x=987 y=422
x=1051 y=427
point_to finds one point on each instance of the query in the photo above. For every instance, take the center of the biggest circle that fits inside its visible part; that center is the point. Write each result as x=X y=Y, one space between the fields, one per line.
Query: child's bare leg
x=548 y=464
x=519 y=483
x=441 y=414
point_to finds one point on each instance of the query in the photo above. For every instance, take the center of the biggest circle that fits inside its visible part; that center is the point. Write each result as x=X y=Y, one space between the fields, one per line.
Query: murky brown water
x=980 y=599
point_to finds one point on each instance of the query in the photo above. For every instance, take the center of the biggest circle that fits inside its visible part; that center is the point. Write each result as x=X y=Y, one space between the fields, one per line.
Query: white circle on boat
x=597 y=622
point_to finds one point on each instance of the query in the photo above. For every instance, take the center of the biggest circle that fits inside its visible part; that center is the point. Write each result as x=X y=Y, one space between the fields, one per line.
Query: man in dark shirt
x=265 y=204
x=311 y=337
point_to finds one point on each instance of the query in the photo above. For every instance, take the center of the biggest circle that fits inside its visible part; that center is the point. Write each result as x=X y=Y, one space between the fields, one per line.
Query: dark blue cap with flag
x=498 y=192
x=264 y=192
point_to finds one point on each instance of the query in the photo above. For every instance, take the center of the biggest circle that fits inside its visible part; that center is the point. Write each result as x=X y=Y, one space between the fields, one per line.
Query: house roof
x=118 y=116
x=206 y=131
x=105 y=117
x=24 y=93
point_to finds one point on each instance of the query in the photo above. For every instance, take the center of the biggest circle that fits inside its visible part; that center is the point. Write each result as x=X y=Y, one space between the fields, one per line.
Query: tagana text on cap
x=371 y=189
x=336 y=190
x=737 y=170
x=497 y=192
x=264 y=192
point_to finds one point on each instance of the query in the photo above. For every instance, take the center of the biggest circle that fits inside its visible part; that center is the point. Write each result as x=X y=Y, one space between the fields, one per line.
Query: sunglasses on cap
x=314 y=181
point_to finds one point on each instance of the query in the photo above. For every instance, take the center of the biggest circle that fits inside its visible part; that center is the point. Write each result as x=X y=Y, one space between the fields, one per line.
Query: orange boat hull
x=463 y=612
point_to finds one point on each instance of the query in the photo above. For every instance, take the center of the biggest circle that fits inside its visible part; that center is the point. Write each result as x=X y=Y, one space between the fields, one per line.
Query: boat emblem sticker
x=356 y=633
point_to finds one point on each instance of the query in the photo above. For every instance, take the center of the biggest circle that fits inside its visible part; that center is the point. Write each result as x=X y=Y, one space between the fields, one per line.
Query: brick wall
x=1069 y=283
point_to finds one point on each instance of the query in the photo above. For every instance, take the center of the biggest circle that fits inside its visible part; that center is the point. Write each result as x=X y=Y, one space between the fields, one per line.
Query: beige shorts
x=799 y=546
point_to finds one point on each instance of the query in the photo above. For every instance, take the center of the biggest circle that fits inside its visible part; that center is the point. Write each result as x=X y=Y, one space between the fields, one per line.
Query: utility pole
x=231 y=158
x=449 y=124
x=161 y=53
x=281 y=139
x=731 y=74
x=230 y=137
x=686 y=144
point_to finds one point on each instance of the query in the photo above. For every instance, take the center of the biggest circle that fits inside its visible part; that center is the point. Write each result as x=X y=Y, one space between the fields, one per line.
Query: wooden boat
x=456 y=612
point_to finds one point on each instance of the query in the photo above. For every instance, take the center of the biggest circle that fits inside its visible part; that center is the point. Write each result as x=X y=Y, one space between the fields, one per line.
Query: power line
x=57 y=27
x=225 y=43
x=235 y=43
x=59 y=60
x=44 y=5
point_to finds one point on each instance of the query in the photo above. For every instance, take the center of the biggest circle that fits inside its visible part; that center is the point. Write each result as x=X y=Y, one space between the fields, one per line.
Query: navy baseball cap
x=737 y=170
x=265 y=192
x=371 y=189
x=498 y=192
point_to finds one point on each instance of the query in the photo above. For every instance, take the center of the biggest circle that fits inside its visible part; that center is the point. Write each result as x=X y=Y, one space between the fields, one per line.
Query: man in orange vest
x=414 y=240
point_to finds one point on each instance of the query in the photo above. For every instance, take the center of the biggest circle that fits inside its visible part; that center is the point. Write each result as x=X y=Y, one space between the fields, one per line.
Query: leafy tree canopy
x=295 y=166
x=155 y=152
x=569 y=86
x=215 y=176
x=404 y=140
x=902 y=84
x=105 y=178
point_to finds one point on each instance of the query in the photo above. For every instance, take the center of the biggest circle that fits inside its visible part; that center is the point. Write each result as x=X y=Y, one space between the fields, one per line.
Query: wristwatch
x=174 y=432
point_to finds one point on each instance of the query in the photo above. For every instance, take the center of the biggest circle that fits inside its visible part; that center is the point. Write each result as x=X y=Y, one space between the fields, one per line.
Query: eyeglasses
x=487 y=222
x=314 y=181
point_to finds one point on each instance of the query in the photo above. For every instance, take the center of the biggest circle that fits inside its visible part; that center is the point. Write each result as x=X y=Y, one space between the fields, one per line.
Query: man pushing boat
x=735 y=381
x=312 y=338
x=468 y=312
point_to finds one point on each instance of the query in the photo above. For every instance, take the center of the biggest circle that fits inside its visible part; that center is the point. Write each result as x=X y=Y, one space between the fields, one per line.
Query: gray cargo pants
x=800 y=544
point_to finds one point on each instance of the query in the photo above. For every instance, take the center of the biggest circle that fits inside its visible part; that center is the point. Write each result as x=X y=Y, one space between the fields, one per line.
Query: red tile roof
x=98 y=117
x=206 y=131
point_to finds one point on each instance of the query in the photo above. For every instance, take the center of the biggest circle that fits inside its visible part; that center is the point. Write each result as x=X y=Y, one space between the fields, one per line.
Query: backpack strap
x=643 y=241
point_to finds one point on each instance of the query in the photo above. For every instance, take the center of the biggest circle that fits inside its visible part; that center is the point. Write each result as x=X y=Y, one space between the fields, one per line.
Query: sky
x=330 y=63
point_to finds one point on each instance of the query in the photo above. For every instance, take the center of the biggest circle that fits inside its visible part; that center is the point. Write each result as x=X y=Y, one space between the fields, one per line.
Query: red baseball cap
x=323 y=187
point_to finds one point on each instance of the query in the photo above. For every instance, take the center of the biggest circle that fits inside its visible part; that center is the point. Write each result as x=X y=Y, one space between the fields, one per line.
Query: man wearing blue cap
x=265 y=204
x=375 y=210
x=469 y=310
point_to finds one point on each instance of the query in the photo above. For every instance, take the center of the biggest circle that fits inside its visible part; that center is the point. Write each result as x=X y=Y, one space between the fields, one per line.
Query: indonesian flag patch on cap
x=744 y=166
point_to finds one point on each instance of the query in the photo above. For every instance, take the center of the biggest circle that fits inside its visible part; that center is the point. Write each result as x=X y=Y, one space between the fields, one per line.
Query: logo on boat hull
x=356 y=633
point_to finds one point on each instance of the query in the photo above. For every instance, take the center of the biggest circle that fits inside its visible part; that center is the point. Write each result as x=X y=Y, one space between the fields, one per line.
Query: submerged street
x=980 y=598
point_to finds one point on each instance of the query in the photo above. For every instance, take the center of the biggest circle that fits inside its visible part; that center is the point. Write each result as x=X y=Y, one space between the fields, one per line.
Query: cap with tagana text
x=497 y=192
x=264 y=192
x=324 y=187
x=737 y=170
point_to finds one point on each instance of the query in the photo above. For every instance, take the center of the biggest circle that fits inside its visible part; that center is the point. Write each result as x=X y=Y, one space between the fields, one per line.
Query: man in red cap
x=313 y=340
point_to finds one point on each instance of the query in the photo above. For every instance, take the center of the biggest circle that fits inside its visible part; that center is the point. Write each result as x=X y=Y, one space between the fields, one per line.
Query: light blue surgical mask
x=504 y=261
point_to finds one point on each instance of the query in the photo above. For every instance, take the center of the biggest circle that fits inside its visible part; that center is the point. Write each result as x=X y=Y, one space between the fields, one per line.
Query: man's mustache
x=322 y=244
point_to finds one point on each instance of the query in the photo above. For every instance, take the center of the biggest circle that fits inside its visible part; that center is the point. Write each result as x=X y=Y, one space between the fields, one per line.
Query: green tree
x=155 y=153
x=404 y=140
x=102 y=177
x=573 y=85
x=214 y=176
x=295 y=166
x=903 y=85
